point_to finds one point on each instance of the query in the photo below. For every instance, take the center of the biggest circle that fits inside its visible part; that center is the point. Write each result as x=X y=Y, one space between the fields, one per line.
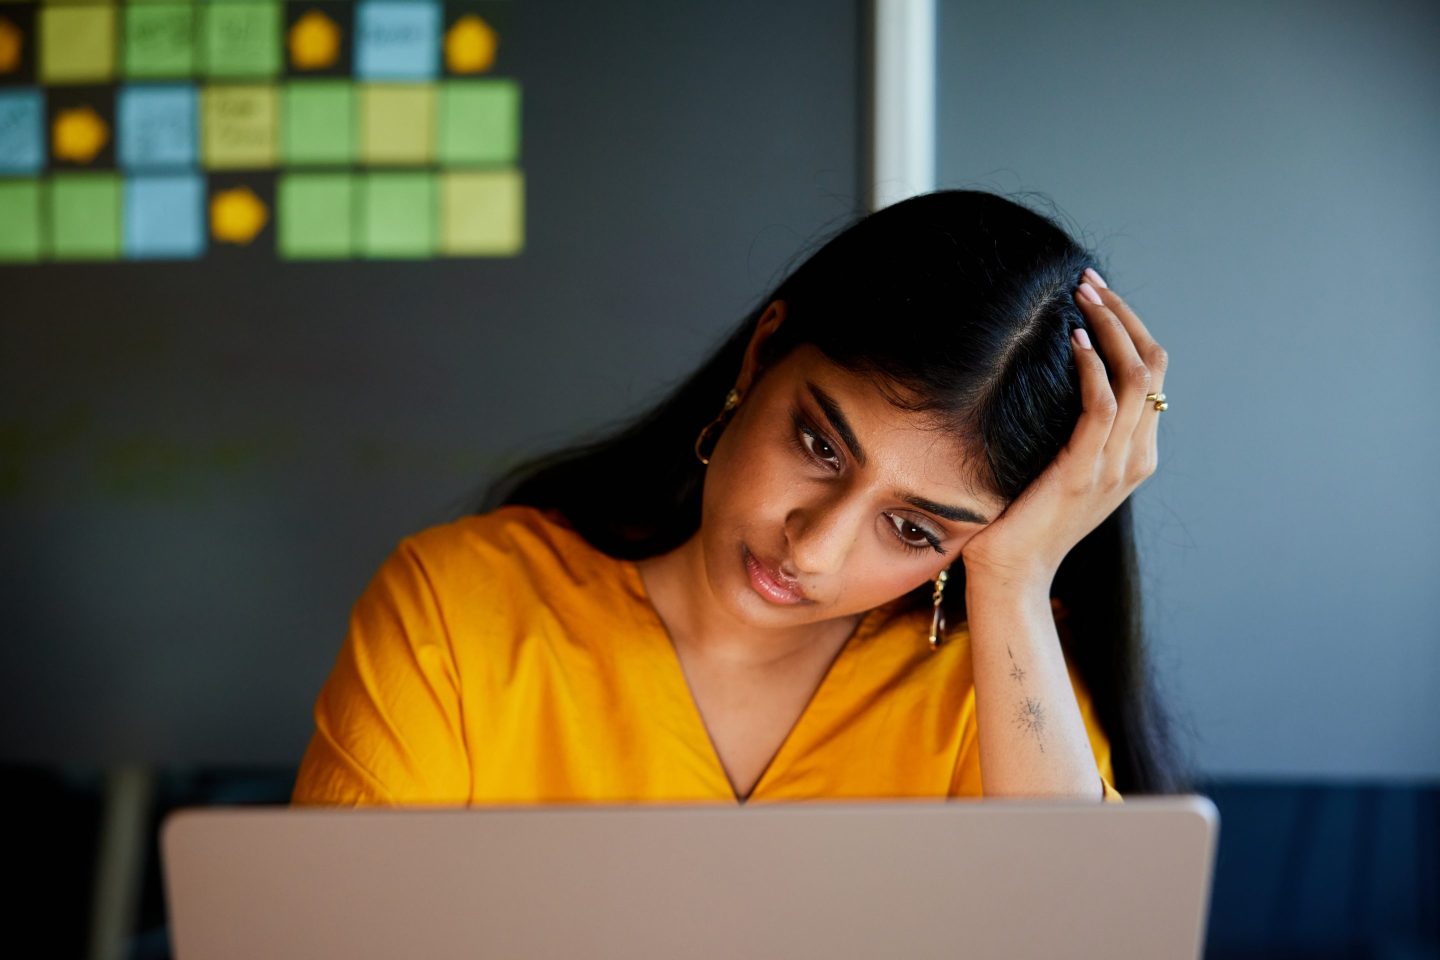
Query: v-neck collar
x=668 y=660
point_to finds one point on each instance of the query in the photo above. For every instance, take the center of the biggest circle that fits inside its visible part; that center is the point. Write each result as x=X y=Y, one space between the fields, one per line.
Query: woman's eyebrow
x=842 y=427
x=837 y=421
x=958 y=514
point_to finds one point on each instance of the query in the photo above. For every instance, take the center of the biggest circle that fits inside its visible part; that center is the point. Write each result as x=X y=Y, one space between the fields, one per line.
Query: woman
x=766 y=604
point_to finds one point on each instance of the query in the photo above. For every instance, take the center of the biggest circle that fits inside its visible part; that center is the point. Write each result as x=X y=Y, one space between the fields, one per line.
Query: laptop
x=1005 y=877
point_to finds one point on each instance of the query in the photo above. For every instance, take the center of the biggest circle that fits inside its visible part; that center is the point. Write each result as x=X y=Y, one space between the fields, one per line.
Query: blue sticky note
x=156 y=126
x=164 y=216
x=22 y=131
x=397 y=39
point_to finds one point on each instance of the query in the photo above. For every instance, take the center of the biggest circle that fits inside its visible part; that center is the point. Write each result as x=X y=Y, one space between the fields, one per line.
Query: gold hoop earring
x=732 y=400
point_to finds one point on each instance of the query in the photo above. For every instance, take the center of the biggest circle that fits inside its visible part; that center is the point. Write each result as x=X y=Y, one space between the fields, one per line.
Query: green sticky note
x=482 y=212
x=318 y=125
x=239 y=127
x=479 y=121
x=397 y=215
x=19 y=220
x=397 y=123
x=241 y=38
x=315 y=216
x=77 y=43
x=159 y=39
x=85 y=216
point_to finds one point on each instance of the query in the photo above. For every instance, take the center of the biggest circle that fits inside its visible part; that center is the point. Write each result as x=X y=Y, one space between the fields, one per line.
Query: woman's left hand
x=1111 y=452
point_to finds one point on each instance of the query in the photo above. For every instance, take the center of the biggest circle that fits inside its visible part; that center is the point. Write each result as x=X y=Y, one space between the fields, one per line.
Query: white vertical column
x=902 y=100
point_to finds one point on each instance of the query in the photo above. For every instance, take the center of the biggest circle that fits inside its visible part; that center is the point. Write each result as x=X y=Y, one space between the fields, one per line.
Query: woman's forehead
x=870 y=398
x=924 y=444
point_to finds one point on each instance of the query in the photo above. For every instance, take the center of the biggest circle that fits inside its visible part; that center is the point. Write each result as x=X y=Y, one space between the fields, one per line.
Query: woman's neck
x=680 y=590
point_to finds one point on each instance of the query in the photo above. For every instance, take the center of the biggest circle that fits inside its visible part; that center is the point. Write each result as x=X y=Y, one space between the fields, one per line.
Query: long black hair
x=960 y=298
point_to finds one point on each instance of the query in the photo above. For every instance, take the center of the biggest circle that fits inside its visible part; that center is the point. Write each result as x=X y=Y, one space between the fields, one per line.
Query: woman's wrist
x=991 y=581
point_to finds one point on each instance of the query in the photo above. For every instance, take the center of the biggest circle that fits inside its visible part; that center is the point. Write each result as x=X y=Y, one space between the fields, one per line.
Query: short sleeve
x=388 y=728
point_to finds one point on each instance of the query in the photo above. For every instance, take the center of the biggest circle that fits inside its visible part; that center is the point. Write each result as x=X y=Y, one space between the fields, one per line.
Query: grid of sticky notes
x=323 y=130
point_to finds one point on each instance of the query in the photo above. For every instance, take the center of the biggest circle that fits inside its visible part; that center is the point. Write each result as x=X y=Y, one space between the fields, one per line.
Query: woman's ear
x=768 y=323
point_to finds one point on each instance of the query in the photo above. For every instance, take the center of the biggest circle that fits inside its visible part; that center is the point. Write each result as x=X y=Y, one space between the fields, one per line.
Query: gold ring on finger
x=1159 y=399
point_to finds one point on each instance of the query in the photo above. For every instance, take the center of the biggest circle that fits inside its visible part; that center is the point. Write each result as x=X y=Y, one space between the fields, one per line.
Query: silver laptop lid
x=1012 y=878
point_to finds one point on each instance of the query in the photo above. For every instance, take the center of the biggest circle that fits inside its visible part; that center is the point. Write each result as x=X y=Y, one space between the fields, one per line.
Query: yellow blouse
x=501 y=659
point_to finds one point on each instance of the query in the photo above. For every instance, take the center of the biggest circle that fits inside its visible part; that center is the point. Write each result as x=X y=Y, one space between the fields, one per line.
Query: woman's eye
x=926 y=540
x=815 y=448
x=814 y=445
x=823 y=449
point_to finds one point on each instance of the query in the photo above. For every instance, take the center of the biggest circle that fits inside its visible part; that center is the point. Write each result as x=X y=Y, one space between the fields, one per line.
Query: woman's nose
x=819 y=538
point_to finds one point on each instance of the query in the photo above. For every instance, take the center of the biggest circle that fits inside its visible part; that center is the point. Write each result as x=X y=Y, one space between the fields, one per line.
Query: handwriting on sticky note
x=243 y=39
x=159 y=40
x=398 y=40
x=240 y=126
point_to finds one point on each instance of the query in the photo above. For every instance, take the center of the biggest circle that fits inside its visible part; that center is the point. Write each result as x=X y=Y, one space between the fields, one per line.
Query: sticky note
x=397 y=39
x=84 y=216
x=159 y=40
x=164 y=216
x=397 y=215
x=157 y=126
x=77 y=43
x=318 y=125
x=397 y=123
x=479 y=122
x=316 y=216
x=241 y=38
x=19 y=220
x=482 y=212
x=239 y=127
x=22 y=131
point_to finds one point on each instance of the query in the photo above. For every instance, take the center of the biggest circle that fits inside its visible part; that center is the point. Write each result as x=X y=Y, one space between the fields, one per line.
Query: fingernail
x=1081 y=337
x=1089 y=293
x=1099 y=280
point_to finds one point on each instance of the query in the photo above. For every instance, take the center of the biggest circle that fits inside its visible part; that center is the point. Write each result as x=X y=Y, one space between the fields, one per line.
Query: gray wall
x=1264 y=180
x=204 y=463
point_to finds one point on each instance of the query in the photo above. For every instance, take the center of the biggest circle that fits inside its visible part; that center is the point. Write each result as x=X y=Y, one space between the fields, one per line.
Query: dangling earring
x=732 y=399
x=937 y=622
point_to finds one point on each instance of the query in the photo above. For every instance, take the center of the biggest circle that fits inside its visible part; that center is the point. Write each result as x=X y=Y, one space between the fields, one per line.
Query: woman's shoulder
x=513 y=541
x=509 y=528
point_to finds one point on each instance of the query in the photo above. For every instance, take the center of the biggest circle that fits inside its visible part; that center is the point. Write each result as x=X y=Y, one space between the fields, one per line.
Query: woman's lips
x=768 y=582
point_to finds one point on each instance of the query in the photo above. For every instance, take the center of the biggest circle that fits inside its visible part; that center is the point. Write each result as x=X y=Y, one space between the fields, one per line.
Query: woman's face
x=813 y=476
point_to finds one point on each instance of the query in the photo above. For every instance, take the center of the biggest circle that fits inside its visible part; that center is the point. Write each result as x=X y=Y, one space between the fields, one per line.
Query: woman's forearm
x=1032 y=738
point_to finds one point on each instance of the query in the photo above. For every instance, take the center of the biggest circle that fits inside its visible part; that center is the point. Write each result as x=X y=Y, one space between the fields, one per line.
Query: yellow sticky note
x=482 y=213
x=397 y=123
x=240 y=127
x=77 y=43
